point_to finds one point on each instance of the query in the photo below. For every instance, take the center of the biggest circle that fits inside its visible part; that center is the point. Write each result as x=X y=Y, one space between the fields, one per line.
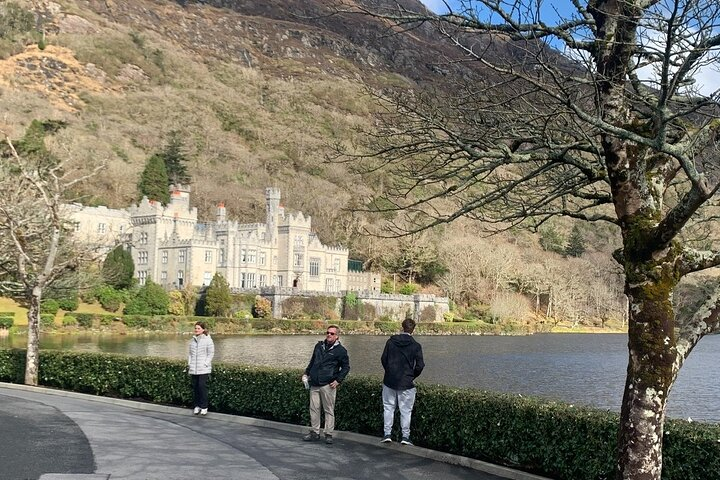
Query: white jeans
x=404 y=399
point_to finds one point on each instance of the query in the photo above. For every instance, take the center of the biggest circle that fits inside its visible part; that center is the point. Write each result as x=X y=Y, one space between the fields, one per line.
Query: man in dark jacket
x=328 y=367
x=403 y=362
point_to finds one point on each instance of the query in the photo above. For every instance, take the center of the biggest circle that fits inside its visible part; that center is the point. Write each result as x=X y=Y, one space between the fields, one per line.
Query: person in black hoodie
x=328 y=367
x=403 y=362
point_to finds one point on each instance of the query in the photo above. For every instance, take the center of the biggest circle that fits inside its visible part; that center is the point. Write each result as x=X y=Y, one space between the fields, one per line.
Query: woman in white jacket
x=200 y=358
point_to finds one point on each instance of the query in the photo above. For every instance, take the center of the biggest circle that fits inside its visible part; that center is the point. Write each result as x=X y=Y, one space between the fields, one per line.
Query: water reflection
x=581 y=369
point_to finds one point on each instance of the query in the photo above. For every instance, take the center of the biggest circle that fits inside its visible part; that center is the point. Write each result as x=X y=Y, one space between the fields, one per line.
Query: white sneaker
x=196 y=411
x=203 y=411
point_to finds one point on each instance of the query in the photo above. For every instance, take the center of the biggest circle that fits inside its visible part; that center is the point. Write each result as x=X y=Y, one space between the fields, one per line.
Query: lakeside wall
x=419 y=307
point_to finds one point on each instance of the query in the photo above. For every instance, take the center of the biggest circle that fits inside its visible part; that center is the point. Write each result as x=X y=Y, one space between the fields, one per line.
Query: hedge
x=543 y=437
x=6 y=322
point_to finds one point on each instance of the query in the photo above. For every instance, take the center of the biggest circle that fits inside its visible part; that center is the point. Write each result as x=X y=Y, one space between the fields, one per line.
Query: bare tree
x=597 y=115
x=35 y=239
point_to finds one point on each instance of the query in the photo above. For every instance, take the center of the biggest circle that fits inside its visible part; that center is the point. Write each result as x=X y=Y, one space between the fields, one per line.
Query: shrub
x=85 y=320
x=49 y=305
x=7 y=322
x=177 y=303
x=69 y=304
x=409 y=289
x=110 y=298
x=262 y=307
x=151 y=299
x=218 y=298
x=118 y=269
x=47 y=321
x=69 y=321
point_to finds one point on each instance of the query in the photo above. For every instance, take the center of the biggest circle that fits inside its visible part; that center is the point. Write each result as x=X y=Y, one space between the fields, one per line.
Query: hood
x=401 y=340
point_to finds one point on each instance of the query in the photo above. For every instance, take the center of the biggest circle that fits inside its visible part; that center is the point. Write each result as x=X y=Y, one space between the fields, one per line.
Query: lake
x=576 y=368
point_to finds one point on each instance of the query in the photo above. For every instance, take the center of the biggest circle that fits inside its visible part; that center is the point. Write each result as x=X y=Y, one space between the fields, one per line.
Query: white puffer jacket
x=202 y=350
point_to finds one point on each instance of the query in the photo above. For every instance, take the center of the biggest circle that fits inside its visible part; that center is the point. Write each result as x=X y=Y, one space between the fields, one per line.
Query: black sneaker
x=406 y=441
x=311 y=437
x=328 y=439
x=386 y=439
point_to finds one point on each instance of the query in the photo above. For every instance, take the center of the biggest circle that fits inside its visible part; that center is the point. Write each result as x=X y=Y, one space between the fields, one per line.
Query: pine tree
x=154 y=180
x=576 y=243
x=175 y=160
x=118 y=268
x=218 y=298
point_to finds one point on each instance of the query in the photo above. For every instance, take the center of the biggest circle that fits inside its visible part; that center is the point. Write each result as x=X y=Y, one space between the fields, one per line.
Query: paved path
x=54 y=435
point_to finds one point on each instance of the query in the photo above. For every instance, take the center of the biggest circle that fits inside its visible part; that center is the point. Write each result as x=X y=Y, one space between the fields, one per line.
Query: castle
x=173 y=248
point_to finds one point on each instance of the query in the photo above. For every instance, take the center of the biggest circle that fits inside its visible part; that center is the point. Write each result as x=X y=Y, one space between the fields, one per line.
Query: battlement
x=297 y=219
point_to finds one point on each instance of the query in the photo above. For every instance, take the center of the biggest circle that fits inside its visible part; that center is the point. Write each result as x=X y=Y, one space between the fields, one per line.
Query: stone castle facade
x=172 y=247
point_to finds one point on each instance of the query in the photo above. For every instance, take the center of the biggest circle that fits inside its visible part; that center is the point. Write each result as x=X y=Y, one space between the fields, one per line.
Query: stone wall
x=421 y=308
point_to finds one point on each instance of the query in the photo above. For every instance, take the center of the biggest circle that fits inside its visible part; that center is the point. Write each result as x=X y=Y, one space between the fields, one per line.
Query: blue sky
x=708 y=79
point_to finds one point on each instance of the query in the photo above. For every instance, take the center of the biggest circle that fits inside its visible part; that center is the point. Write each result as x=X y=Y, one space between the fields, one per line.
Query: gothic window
x=181 y=256
x=164 y=256
x=261 y=258
x=298 y=260
x=142 y=277
x=101 y=228
x=314 y=267
x=208 y=256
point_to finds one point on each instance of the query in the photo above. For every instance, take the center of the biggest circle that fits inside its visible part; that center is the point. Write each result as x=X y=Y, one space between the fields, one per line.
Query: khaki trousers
x=324 y=396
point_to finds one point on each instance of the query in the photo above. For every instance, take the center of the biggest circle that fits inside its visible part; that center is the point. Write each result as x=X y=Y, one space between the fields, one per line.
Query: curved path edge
x=426 y=453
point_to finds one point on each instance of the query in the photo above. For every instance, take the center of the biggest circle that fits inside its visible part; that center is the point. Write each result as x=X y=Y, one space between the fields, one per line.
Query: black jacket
x=402 y=360
x=328 y=364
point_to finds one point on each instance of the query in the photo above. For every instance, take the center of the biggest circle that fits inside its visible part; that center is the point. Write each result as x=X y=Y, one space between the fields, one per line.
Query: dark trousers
x=200 y=389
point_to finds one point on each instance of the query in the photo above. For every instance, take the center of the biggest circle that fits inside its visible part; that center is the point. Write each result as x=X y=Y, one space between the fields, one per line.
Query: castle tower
x=272 y=211
x=221 y=213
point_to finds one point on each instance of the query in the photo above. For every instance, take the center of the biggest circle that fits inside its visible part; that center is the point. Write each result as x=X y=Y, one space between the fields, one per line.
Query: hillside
x=260 y=93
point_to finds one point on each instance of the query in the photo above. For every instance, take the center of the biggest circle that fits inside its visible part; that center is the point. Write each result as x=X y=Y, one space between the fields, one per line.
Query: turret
x=272 y=210
x=221 y=213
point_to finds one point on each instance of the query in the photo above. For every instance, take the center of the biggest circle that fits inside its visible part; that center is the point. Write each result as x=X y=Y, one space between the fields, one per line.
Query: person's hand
x=334 y=384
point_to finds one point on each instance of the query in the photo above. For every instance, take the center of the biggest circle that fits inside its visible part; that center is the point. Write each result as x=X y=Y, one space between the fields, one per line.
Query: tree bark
x=32 y=357
x=651 y=347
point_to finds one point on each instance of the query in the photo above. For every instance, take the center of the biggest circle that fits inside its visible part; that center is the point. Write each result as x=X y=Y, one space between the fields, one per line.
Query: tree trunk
x=651 y=346
x=32 y=357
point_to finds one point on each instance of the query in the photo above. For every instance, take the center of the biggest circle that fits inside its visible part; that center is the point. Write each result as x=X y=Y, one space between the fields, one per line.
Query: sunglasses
x=330 y=333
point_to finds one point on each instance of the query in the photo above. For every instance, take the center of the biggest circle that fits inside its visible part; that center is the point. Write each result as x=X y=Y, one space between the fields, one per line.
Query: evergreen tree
x=175 y=160
x=551 y=240
x=154 y=180
x=151 y=299
x=576 y=243
x=218 y=298
x=118 y=268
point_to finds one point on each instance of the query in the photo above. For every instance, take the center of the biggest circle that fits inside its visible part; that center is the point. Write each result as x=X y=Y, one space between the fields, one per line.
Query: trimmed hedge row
x=543 y=437
x=226 y=325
